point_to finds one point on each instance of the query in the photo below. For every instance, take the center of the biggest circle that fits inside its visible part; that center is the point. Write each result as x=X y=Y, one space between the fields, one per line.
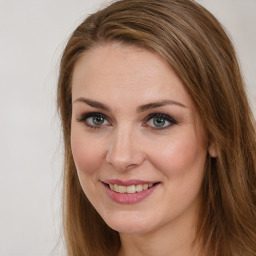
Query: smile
x=129 y=192
x=129 y=189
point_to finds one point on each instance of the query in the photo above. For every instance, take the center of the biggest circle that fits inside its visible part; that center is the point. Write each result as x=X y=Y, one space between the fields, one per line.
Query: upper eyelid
x=91 y=114
x=161 y=115
x=95 y=113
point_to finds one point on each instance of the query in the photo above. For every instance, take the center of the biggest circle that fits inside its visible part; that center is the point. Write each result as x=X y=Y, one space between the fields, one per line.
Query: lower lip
x=129 y=198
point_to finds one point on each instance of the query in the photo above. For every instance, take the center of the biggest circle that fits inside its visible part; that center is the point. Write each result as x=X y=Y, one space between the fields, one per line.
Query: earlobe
x=212 y=150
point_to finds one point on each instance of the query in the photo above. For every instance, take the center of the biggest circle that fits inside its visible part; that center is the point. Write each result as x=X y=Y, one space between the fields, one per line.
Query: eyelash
x=163 y=117
x=84 y=119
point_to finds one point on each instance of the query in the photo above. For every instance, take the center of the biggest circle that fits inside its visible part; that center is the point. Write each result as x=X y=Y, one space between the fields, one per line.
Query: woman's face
x=136 y=139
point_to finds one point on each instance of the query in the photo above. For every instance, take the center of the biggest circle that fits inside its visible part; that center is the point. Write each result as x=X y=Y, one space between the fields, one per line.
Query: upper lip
x=128 y=182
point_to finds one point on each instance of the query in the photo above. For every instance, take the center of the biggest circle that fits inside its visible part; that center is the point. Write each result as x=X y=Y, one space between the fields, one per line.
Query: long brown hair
x=195 y=45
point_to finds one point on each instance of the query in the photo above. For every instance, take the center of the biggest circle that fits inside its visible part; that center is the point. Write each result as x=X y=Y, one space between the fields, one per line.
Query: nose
x=125 y=151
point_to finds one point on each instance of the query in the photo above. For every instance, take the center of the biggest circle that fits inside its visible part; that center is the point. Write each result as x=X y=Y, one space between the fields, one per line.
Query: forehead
x=117 y=70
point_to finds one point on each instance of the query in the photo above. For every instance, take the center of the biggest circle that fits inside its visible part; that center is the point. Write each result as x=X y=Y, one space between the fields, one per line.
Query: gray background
x=33 y=34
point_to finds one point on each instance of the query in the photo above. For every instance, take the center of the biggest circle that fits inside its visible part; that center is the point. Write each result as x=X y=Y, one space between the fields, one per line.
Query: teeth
x=139 y=188
x=116 y=188
x=121 y=189
x=130 y=189
x=145 y=186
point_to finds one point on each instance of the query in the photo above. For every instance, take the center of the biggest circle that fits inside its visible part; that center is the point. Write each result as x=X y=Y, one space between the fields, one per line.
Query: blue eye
x=93 y=120
x=160 y=121
x=96 y=120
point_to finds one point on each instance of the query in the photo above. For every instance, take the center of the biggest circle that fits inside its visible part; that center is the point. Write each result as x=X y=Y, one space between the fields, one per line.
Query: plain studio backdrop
x=33 y=34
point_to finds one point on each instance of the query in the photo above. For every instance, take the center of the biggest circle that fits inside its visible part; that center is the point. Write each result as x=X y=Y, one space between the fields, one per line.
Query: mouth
x=131 y=189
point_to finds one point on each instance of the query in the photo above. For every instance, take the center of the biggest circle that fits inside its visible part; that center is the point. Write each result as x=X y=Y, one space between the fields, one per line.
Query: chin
x=130 y=223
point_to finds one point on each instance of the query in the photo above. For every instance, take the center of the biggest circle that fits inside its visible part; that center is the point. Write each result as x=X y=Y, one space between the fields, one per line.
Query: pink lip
x=128 y=198
x=128 y=182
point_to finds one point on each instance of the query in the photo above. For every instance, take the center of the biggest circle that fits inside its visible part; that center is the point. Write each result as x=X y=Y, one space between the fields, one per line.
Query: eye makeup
x=93 y=120
x=156 y=121
x=159 y=121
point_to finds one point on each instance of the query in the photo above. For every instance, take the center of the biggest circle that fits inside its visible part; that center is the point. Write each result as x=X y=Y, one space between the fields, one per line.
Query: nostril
x=130 y=166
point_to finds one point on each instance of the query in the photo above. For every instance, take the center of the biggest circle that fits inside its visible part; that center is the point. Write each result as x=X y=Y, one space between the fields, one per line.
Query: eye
x=160 y=121
x=94 y=120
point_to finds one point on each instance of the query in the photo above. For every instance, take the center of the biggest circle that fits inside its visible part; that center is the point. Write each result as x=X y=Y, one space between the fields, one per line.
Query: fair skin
x=134 y=124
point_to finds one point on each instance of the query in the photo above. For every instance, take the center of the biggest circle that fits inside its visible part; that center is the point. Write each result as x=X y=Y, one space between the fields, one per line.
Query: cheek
x=87 y=155
x=179 y=155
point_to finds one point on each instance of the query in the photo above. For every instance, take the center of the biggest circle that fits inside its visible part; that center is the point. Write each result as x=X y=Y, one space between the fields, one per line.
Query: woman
x=159 y=137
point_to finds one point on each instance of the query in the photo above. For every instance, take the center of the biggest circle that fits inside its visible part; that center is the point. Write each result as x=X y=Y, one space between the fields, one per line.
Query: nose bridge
x=124 y=151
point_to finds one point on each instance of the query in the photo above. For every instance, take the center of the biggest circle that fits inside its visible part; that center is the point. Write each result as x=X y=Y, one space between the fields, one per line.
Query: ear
x=212 y=150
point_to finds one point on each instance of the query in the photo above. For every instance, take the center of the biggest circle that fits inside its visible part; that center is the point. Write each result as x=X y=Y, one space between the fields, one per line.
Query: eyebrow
x=93 y=103
x=158 y=104
x=140 y=109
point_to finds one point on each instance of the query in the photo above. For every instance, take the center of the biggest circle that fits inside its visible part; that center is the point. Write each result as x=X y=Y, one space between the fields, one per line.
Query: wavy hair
x=196 y=46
